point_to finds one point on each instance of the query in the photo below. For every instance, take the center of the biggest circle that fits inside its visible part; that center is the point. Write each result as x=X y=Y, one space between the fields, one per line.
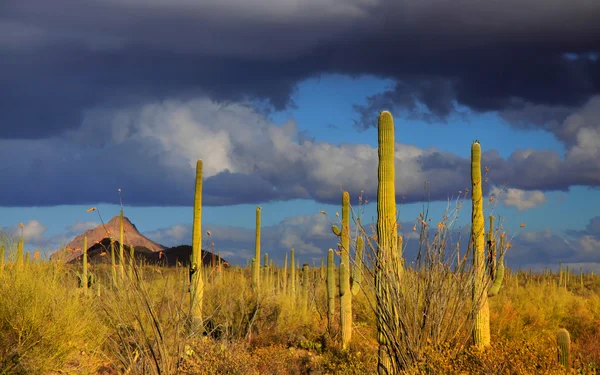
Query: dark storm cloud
x=59 y=58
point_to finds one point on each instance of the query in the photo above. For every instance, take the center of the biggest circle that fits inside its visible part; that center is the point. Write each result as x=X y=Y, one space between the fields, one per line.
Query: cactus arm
x=357 y=269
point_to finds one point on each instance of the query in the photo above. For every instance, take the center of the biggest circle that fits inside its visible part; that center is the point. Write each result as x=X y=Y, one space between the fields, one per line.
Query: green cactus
x=121 y=248
x=292 y=276
x=496 y=267
x=330 y=290
x=265 y=274
x=131 y=260
x=388 y=254
x=305 y=281
x=113 y=263
x=20 y=256
x=481 y=328
x=357 y=269
x=285 y=275
x=256 y=265
x=345 y=288
x=84 y=275
x=563 y=340
x=196 y=266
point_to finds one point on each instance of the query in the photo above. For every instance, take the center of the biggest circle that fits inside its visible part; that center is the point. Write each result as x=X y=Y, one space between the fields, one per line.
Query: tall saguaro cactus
x=256 y=265
x=196 y=266
x=481 y=329
x=388 y=256
x=345 y=291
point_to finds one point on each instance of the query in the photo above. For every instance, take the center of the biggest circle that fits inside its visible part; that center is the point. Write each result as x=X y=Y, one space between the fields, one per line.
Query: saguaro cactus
x=292 y=276
x=345 y=290
x=256 y=265
x=285 y=275
x=121 y=248
x=196 y=266
x=388 y=255
x=330 y=290
x=305 y=281
x=19 y=256
x=357 y=269
x=563 y=340
x=84 y=272
x=481 y=329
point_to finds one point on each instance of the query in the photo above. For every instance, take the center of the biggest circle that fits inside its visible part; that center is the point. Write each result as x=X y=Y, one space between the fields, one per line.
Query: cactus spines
x=256 y=265
x=196 y=266
x=388 y=254
x=563 y=340
x=481 y=328
x=330 y=290
x=84 y=272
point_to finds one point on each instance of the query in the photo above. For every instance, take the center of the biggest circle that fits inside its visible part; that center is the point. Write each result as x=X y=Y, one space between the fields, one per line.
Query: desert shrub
x=45 y=322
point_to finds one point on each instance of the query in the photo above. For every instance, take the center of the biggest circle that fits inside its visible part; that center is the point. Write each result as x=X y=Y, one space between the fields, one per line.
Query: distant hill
x=144 y=248
x=178 y=255
x=111 y=229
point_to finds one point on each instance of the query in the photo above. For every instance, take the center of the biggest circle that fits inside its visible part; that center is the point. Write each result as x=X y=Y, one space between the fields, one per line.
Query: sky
x=280 y=101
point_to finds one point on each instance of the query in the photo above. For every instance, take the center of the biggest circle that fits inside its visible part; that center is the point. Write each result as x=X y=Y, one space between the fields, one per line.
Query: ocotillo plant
x=330 y=290
x=481 y=329
x=196 y=265
x=388 y=255
x=256 y=265
x=563 y=340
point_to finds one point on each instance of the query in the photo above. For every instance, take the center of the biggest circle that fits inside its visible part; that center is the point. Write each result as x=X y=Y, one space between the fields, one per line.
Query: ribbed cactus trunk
x=357 y=273
x=84 y=273
x=285 y=275
x=196 y=265
x=121 y=248
x=292 y=277
x=330 y=290
x=256 y=265
x=305 y=287
x=20 y=256
x=265 y=274
x=388 y=257
x=345 y=291
x=481 y=329
x=131 y=261
x=113 y=263
x=563 y=340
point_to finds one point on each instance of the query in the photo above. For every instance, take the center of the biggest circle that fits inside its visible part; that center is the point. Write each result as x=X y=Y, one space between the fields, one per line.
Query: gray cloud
x=60 y=59
x=150 y=152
